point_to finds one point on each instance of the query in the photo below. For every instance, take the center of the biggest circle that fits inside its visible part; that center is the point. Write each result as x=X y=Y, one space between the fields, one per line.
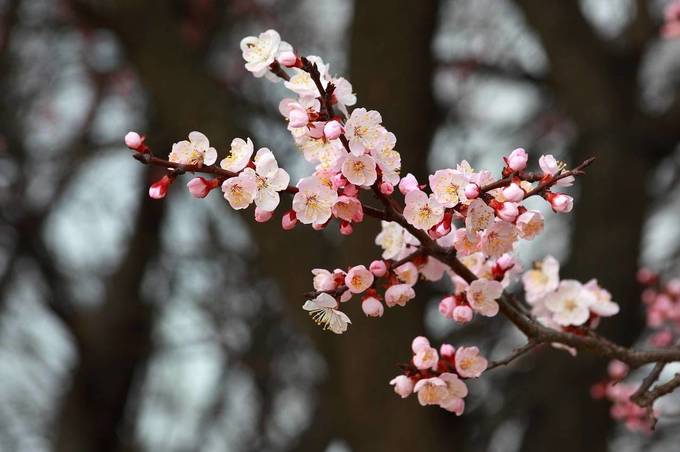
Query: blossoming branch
x=462 y=224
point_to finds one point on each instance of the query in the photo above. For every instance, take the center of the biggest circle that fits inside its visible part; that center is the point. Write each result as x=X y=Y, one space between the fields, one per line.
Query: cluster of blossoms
x=462 y=224
x=491 y=221
x=623 y=409
x=439 y=377
x=565 y=304
x=662 y=307
x=671 y=26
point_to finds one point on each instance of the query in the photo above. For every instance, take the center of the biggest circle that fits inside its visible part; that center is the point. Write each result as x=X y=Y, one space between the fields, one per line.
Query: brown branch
x=647 y=383
x=648 y=398
x=514 y=355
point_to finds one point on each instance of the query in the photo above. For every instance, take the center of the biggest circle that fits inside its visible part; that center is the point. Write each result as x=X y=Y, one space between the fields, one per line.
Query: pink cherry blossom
x=360 y=170
x=358 y=279
x=469 y=364
x=407 y=273
x=447 y=186
x=324 y=281
x=199 y=187
x=386 y=188
x=372 y=307
x=447 y=350
x=332 y=130
x=482 y=295
x=471 y=191
x=422 y=211
x=363 y=130
x=446 y=307
x=561 y=203
x=239 y=155
x=479 y=216
x=262 y=216
x=517 y=160
x=314 y=200
x=159 y=190
x=499 y=239
x=289 y=220
x=399 y=294
x=462 y=314
x=196 y=151
x=133 y=140
x=240 y=191
x=419 y=343
x=431 y=391
x=403 y=385
x=378 y=268
x=570 y=303
x=513 y=193
x=348 y=209
x=509 y=212
x=261 y=51
x=408 y=184
x=426 y=358
x=529 y=224
x=287 y=58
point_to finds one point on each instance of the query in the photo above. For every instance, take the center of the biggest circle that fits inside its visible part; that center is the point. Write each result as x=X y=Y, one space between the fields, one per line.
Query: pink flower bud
x=199 y=187
x=288 y=59
x=372 y=307
x=446 y=307
x=298 y=117
x=332 y=130
x=262 y=216
x=509 y=212
x=471 y=191
x=441 y=229
x=346 y=227
x=289 y=220
x=462 y=314
x=350 y=190
x=133 y=140
x=517 y=160
x=447 y=350
x=159 y=189
x=338 y=181
x=646 y=276
x=419 y=343
x=408 y=184
x=403 y=386
x=319 y=226
x=560 y=202
x=661 y=339
x=378 y=268
x=617 y=369
x=316 y=130
x=505 y=262
x=386 y=188
x=673 y=287
x=513 y=193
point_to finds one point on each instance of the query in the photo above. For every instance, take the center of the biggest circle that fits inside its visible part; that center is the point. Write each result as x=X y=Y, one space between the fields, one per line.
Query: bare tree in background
x=592 y=83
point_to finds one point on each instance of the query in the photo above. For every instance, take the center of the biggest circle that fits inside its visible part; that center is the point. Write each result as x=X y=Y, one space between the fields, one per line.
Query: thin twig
x=514 y=355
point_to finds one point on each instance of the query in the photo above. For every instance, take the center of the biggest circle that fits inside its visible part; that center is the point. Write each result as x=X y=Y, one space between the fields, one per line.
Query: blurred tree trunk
x=113 y=342
x=597 y=87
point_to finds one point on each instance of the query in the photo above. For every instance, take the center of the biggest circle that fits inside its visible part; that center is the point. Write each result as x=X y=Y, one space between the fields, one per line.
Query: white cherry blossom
x=422 y=211
x=261 y=51
x=323 y=310
x=570 y=303
x=314 y=200
x=196 y=151
x=239 y=155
